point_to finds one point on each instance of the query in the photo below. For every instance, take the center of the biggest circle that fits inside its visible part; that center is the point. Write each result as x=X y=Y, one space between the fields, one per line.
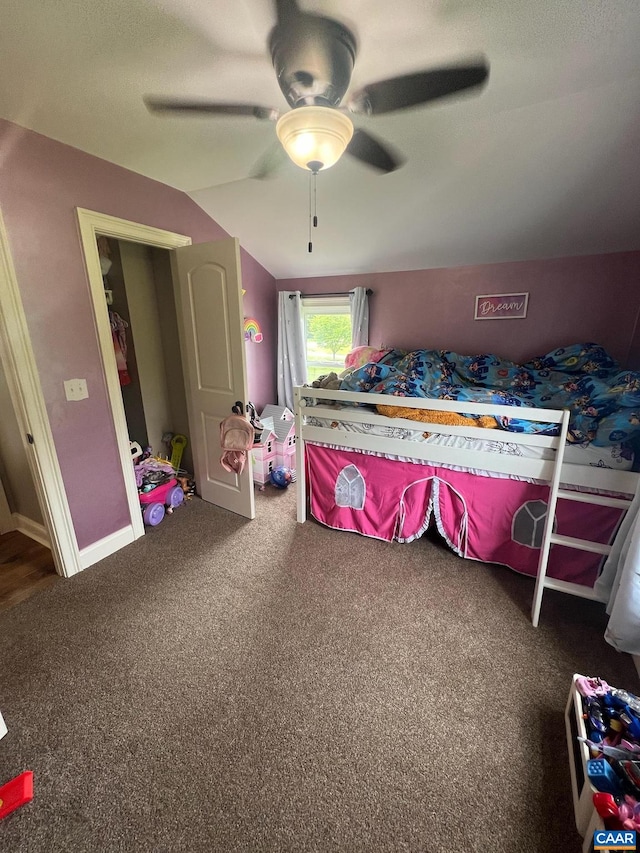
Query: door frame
x=7 y=521
x=23 y=381
x=93 y=225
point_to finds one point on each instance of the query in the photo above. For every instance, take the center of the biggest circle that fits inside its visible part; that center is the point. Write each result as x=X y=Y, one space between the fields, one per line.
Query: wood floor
x=25 y=567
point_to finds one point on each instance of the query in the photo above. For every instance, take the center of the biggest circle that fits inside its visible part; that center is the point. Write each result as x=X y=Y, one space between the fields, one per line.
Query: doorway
x=141 y=309
x=19 y=367
x=26 y=562
x=26 y=567
x=207 y=291
x=214 y=279
x=93 y=225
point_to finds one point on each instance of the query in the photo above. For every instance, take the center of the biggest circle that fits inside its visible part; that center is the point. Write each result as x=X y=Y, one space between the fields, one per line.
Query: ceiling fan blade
x=171 y=105
x=410 y=90
x=366 y=148
x=269 y=163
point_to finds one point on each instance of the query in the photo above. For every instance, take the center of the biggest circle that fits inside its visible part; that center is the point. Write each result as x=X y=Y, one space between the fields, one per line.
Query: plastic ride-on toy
x=154 y=498
x=169 y=495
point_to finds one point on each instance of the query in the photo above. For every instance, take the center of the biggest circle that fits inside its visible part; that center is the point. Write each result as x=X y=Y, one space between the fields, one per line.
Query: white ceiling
x=542 y=163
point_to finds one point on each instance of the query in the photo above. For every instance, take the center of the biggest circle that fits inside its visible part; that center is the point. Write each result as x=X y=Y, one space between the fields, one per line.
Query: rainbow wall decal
x=252 y=331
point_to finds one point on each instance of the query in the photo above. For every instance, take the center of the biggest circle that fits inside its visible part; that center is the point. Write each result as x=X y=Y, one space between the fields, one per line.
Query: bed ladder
x=550 y=538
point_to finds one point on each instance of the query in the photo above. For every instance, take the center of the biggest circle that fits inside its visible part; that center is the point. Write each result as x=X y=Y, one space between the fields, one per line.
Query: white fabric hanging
x=619 y=584
x=292 y=364
x=359 y=302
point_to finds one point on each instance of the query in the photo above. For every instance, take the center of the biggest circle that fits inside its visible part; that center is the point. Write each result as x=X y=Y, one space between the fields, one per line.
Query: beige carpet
x=224 y=685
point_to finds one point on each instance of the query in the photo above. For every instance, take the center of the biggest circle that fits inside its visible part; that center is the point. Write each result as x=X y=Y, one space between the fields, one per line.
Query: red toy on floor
x=16 y=793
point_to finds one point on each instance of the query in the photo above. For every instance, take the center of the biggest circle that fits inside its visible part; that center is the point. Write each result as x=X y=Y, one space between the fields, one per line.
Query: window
x=327 y=333
x=350 y=488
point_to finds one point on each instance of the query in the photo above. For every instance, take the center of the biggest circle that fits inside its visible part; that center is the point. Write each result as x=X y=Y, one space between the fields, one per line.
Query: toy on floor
x=281 y=477
x=178 y=444
x=15 y=793
x=188 y=487
x=160 y=499
x=175 y=444
x=158 y=489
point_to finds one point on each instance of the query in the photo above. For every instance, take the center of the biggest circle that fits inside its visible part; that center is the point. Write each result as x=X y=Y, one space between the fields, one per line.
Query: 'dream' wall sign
x=252 y=331
x=501 y=306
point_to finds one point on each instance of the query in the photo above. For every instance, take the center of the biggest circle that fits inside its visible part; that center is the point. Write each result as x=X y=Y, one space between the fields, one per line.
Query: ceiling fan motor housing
x=313 y=58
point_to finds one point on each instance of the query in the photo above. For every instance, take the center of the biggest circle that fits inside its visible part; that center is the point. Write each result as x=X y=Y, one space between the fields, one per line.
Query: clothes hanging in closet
x=119 y=335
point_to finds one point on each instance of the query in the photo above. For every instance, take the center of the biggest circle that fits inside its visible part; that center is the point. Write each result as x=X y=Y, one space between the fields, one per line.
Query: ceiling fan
x=313 y=57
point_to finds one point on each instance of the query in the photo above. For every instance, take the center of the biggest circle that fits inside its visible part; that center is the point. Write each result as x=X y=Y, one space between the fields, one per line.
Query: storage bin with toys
x=603 y=738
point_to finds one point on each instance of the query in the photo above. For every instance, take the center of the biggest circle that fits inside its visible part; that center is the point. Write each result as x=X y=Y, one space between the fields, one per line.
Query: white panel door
x=208 y=291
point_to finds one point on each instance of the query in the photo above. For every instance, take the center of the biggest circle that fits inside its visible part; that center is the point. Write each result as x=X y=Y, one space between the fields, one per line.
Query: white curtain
x=359 y=317
x=292 y=365
x=619 y=584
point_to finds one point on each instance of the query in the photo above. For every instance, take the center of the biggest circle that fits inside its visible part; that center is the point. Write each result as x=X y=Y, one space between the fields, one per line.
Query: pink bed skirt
x=491 y=519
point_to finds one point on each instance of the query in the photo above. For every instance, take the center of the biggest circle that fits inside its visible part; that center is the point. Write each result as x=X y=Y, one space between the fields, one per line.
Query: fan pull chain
x=313 y=205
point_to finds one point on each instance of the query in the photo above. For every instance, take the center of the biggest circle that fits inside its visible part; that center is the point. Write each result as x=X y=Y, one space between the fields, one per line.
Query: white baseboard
x=32 y=529
x=105 y=547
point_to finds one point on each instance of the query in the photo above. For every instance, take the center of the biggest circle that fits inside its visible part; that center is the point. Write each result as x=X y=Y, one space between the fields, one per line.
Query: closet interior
x=139 y=297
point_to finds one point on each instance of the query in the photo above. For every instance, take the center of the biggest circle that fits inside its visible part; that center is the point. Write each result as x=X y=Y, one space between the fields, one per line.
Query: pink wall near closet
x=571 y=300
x=41 y=183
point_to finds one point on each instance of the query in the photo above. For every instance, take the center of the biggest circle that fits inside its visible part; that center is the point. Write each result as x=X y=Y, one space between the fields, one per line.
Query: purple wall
x=41 y=184
x=260 y=302
x=571 y=300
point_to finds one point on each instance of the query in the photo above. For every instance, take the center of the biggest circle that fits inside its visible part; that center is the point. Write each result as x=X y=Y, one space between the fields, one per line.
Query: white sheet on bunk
x=598 y=457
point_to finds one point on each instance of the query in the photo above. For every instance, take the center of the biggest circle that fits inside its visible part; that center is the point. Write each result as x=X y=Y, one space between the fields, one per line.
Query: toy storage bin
x=586 y=817
x=594 y=824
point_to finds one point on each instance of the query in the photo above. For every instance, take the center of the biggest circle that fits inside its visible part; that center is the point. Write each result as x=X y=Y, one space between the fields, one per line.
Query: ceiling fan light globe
x=312 y=135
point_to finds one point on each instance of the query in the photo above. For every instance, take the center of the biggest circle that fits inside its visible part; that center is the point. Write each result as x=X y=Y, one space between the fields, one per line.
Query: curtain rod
x=320 y=295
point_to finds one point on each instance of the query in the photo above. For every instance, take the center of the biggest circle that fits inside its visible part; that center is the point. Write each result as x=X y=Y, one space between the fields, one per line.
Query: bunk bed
x=540 y=490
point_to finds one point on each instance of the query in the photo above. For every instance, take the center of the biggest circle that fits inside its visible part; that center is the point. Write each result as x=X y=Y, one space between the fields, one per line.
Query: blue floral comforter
x=603 y=399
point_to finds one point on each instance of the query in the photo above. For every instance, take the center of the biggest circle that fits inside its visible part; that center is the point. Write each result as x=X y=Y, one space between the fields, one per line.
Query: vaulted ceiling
x=543 y=162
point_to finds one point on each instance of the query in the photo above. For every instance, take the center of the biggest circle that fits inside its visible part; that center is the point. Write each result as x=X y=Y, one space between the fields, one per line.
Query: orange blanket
x=437 y=417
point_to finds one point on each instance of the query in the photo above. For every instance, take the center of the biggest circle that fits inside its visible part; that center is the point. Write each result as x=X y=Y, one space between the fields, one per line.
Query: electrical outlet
x=76 y=389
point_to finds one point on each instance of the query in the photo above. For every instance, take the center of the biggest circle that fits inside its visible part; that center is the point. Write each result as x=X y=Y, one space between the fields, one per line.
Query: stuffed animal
x=328 y=380
x=437 y=417
x=188 y=486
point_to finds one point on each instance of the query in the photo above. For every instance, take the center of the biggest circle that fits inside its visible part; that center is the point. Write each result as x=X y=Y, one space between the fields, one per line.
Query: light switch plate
x=76 y=389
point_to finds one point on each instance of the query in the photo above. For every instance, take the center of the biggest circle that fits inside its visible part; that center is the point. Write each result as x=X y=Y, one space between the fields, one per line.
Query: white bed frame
x=317 y=402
